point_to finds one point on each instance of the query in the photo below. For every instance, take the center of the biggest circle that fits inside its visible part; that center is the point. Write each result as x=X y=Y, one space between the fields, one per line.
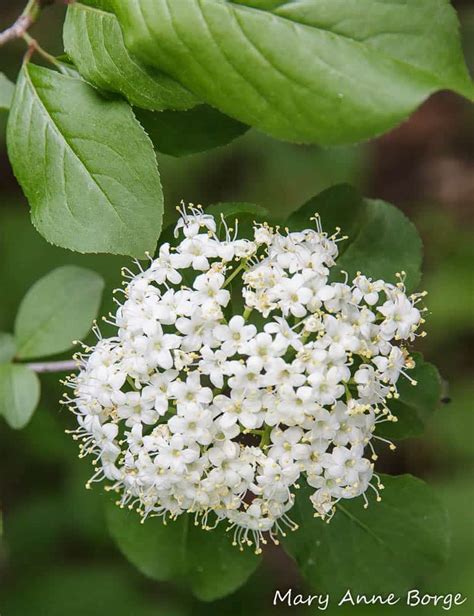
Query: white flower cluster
x=193 y=408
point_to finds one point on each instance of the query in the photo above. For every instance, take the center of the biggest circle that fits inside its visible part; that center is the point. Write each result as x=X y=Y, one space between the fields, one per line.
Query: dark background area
x=57 y=557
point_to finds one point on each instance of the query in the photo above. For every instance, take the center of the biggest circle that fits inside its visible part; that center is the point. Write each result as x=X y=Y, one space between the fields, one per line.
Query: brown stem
x=24 y=22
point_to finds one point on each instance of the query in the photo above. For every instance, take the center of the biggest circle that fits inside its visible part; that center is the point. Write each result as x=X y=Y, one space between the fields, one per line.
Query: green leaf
x=56 y=310
x=385 y=548
x=6 y=92
x=85 y=164
x=180 y=133
x=180 y=551
x=416 y=404
x=339 y=207
x=331 y=71
x=94 y=42
x=7 y=347
x=19 y=394
x=245 y=213
x=382 y=241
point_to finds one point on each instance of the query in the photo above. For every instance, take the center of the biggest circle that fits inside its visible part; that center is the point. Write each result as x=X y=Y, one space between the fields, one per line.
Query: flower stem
x=265 y=440
x=247 y=313
x=234 y=273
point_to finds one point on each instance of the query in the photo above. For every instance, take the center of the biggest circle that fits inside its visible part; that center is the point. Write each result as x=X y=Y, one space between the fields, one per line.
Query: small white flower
x=391 y=366
x=400 y=317
x=234 y=334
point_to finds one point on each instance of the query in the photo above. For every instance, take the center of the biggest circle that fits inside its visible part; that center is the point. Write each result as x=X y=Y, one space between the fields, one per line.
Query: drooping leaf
x=326 y=71
x=94 y=42
x=19 y=394
x=7 y=347
x=180 y=133
x=381 y=240
x=85 y=164
x=6 y=92
x=57 y=309
x=180 y=551
x=385 y=548
x=416 y=403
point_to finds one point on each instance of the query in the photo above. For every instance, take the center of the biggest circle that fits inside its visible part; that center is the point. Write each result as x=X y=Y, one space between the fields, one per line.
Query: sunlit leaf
x=58 y=308
x=85 y=164
x=94 y=42
x=19 y=394
x=331 y=71
x=7 y=347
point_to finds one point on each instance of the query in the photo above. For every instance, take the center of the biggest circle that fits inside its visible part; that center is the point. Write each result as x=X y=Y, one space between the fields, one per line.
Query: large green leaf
x=385 y=548
x=326 y=71
x=19 y=394
x=56 y=310
x=180 y=551
x=180 y=133
x=7 y=347
x=85 y=164
x=416 y=403
x=94 y=42
x=6 y=92
x=381 y=240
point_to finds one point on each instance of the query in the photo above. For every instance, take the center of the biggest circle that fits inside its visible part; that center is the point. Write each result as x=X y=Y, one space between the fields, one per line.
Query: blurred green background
x=57 y=557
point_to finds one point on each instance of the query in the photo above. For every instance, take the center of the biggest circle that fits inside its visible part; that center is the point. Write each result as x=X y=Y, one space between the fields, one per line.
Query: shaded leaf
x=382 y=241
x=245 y=213
x=385 y=548
x=339 y=207
x=57 y=309
x=416 y=403
x=332 y=71
x=19 y=394
x=85 y=164
x=180 y=551
x=180 y=133
x=94 y=42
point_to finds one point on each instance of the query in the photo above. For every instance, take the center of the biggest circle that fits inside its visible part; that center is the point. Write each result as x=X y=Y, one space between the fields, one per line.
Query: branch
x=24 y=22
x=53 y=366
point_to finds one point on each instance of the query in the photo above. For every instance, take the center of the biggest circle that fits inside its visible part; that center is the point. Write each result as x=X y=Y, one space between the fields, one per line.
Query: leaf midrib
x=355 y=520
